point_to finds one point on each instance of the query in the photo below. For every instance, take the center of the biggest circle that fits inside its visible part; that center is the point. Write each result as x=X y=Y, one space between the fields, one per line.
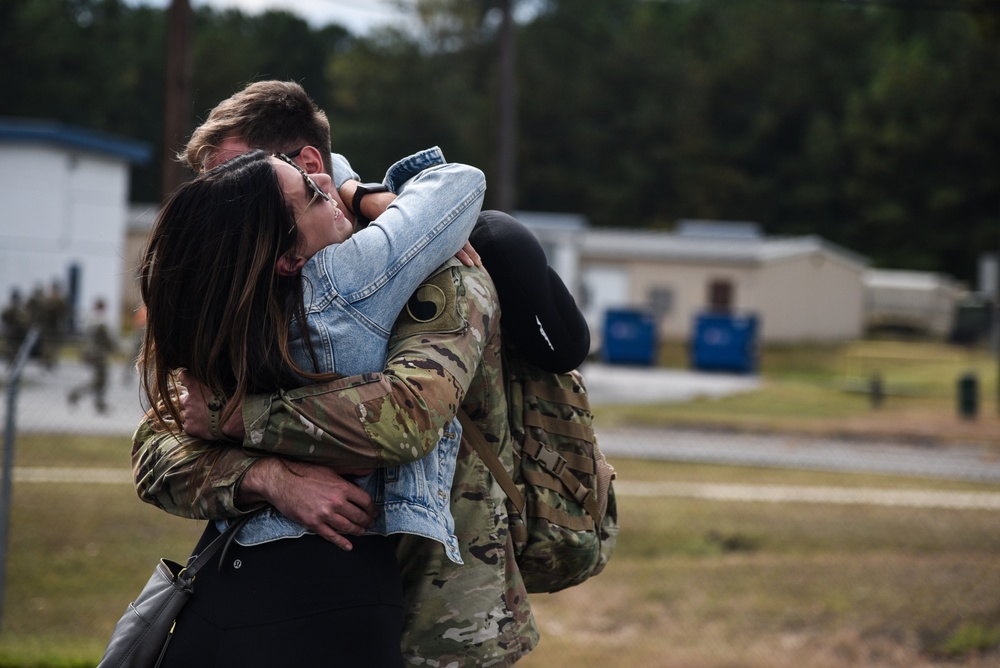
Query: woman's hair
x=216 y=306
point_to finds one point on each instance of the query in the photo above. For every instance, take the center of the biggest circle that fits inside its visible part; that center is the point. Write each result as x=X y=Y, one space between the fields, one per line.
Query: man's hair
x=275 y=116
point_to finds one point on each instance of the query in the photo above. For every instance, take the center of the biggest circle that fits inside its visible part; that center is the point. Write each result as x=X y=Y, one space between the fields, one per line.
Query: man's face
x=229 y=148
x=232 y=146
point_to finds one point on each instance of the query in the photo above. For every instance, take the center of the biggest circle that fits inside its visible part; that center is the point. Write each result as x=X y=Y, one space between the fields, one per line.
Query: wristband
x=359 y=194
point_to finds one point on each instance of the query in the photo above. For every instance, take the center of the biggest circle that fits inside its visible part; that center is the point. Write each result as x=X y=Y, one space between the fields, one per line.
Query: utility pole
x=178 y=92
x=507 y=111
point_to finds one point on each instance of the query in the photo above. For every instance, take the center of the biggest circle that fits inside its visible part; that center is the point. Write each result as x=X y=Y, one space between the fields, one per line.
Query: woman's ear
x=311 y=160
x=290 y=265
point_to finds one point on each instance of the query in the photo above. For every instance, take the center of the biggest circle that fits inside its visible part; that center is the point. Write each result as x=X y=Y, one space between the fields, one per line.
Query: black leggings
x=293 y=602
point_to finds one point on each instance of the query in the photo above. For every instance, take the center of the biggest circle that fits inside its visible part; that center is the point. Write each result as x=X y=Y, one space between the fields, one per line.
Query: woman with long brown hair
x=253 y=282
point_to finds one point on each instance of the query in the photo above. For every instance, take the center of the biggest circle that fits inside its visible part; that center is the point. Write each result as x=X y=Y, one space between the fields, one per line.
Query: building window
x=720 y=296
x=661 y=301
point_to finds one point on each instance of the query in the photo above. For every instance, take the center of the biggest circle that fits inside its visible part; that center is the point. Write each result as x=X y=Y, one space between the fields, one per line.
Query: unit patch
x=427 y=303
x=432 y=308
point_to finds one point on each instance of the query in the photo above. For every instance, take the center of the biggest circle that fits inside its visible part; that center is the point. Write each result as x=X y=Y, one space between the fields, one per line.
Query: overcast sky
x=357 y=15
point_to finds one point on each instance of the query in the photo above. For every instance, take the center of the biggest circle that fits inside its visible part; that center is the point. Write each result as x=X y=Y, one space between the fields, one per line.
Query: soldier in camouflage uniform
x=445 y=357
x=473 y=615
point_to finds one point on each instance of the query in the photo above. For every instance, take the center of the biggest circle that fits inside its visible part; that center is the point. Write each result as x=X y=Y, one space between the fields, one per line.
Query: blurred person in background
x=49 y=311
x=97 y=346
x=16 y=322
x=137 y=334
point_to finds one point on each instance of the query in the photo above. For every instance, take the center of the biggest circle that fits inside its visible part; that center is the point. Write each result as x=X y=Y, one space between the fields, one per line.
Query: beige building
x=140 y=222
x=800 y=289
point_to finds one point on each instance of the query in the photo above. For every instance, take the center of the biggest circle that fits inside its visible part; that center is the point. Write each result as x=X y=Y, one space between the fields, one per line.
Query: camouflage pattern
x=567 y=527
x=476 y=614
x=186 y=476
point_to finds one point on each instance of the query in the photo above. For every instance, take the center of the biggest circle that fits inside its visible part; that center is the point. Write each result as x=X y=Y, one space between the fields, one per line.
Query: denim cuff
x=405 y=169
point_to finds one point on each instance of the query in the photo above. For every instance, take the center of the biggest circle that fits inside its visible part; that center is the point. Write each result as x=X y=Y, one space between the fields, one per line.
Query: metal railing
x=13 y=387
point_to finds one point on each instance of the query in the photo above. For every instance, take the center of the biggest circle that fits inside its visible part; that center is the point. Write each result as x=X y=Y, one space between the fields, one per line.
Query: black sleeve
x=538 y=313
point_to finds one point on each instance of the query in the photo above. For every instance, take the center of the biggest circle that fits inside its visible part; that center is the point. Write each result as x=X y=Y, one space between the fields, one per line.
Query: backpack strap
x=550 y=460
x=489 y=457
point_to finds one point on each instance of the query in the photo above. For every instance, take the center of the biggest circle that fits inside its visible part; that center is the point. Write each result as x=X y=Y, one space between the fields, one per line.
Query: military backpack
x=560 y=498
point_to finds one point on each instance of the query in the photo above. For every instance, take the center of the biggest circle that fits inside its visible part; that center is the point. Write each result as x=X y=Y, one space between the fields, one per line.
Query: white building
x=64 y=194
x=918 y=301
x=800 y=289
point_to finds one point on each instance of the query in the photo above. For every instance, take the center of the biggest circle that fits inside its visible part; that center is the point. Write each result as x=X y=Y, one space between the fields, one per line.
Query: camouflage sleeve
x=365 y=421
x=398 y=415
x=185 y=476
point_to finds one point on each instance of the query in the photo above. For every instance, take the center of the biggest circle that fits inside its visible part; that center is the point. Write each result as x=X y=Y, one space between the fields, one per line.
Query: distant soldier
x=138 y=332
x=98 y=344
x=15 y=323
x=55 y=310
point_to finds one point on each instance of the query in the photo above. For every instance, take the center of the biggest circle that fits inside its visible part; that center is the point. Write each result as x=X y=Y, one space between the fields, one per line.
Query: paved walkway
x=908 y=498
x=609 y=384
x=974 y=463
x=42 y=404
x=42 y=407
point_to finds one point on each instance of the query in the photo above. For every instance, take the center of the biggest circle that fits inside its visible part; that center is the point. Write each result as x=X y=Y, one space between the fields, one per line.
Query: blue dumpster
x=629 y=337
x=723 y=342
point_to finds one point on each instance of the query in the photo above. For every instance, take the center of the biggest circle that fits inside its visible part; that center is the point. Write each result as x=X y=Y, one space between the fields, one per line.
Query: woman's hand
x=195 y=412
x=468 y=256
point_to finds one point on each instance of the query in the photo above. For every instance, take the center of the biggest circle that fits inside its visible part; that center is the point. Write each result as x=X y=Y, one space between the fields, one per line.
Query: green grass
x=693 y=583
x=715 y=584
x=705 y=583
x=77 y=555
x=84 y=451
x=821 y=389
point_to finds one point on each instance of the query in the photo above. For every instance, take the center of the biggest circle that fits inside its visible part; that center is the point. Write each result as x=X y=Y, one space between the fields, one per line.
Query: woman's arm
x=378 y=268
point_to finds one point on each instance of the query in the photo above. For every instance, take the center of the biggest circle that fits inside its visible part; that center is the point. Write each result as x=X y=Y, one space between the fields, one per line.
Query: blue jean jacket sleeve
x=398 y=174
x=427 y=224
x=342 y=170
x=407 y=168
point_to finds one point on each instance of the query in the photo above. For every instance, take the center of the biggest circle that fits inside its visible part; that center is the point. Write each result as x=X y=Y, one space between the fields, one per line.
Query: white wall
x=605 y=286
x=688 y=284
x=62 y=208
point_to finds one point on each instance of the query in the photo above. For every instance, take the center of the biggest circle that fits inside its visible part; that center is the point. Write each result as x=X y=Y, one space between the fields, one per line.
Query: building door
x=720 y=296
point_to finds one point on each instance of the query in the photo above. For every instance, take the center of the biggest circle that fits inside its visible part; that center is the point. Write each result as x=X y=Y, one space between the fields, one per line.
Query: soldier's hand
x=312 y=495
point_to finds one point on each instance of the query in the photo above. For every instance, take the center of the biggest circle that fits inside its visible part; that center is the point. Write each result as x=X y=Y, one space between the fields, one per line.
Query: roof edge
x=24 y=130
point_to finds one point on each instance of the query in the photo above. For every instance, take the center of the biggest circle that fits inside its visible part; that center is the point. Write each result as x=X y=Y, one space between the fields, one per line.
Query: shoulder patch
x=427 y=304
x=432 y=308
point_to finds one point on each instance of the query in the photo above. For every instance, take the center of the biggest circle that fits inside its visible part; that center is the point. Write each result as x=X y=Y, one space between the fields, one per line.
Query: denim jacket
x=354 y=291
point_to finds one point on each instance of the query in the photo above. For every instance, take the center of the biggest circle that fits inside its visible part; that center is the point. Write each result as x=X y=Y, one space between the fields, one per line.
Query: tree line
x=873 y=125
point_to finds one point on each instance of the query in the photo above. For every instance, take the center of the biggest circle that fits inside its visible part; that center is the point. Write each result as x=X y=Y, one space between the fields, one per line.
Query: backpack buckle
x=551 y=460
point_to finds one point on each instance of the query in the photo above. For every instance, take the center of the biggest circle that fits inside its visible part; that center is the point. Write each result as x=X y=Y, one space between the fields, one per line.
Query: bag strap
x=557 y=469
x=224 y=540
x=478 y=442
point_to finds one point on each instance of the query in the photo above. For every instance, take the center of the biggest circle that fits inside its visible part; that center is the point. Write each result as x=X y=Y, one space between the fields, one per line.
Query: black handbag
x=141 y=636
